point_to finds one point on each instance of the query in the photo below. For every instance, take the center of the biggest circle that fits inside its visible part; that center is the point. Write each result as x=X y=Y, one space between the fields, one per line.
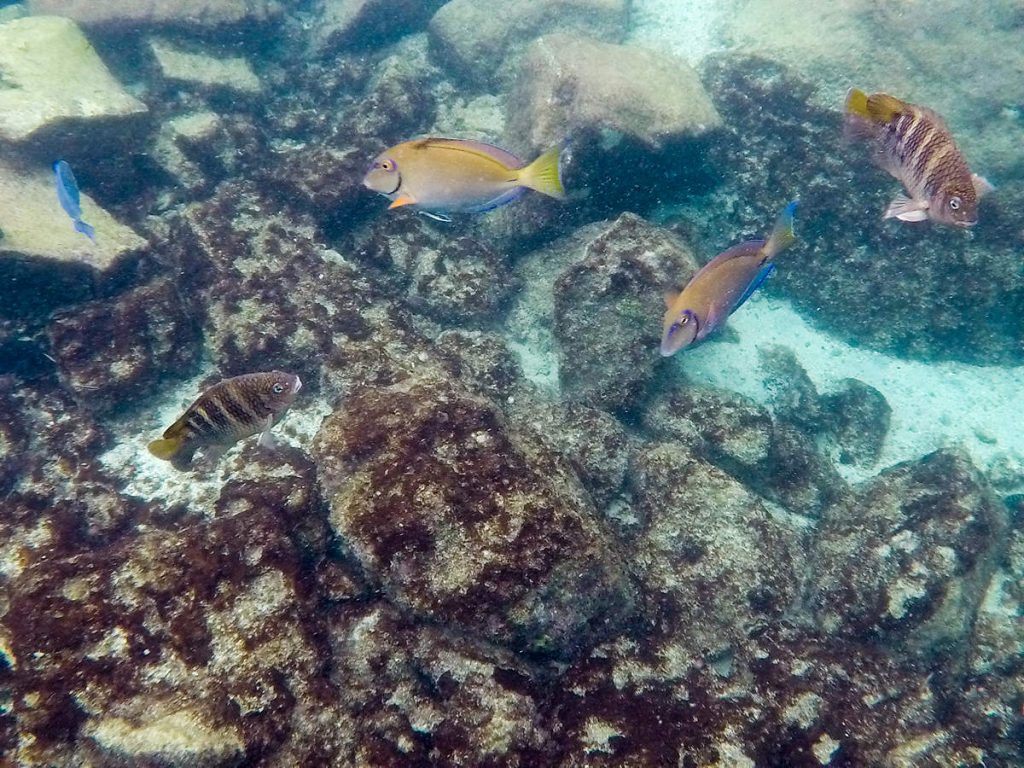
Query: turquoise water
x=495 y=526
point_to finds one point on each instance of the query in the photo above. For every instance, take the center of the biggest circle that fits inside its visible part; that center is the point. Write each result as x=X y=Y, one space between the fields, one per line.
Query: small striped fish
x=913 y=144
x=227 y=412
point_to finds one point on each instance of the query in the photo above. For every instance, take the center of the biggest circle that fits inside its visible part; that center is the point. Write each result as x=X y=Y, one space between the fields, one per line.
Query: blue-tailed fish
x=69 y=197
x=439 y=176
x=721 y=286
x=913 y=144
x=227 y=412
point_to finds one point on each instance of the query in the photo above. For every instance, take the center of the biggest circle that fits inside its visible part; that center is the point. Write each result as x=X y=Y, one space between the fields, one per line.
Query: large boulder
x=567 y=86
x=482 y=41
x=53 y=79
x=467 y=523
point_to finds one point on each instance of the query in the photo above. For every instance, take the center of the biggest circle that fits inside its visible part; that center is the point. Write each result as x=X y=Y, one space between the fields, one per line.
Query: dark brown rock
x=608 y=307
x=110 y=353
x=467 y=523
x=860 y=417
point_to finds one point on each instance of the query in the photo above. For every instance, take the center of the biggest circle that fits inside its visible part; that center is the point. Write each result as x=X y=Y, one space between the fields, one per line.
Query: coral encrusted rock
x=479 y=39
x=608 y=308
x=908 y=557
x=571 y=85
x=52 y=77
x=467 y=523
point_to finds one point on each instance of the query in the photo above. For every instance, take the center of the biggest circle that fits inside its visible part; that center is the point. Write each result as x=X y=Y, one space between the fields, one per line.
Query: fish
x=438 y=176
x=229 y=411
x=70 y=199
x=913 y=144
x=721 y=286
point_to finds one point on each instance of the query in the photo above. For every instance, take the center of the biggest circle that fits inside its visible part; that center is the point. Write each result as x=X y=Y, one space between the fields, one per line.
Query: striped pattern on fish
x=914 y=145
x=227 y=412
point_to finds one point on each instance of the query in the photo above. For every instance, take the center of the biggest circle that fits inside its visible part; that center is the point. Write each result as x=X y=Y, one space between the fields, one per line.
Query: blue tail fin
x=86 y=229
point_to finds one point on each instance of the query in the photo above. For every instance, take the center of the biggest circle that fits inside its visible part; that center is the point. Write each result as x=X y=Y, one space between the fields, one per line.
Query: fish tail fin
x=878 y=108
x=86 y=229
x=545 y=174
x=166 y=448
x=782 y=235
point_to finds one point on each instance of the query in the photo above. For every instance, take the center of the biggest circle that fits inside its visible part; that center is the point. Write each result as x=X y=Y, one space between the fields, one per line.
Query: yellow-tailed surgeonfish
x=914 y=145
x=721 y=286
x=439 y=176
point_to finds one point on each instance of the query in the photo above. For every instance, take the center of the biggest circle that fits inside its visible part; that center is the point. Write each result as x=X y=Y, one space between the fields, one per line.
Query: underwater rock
x=482 y=42
x=368 y=23
x=607 y=310
x=454 y=279
x=773 y=457
x=906 y=559
x=481 y=361
x=421 y=695
x=189 y=147
x=274 y=295
x=116 y=648
x=44 y=262
x=567 y=86
x=468 y=523
x=707 y=535
x=918 y=291
x=113 y=351
x=126 y=15
x=54 y=80
x=859 y=416
x=204 y=72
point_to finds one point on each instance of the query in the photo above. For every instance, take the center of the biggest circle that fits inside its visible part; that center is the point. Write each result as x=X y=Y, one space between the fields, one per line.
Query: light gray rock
x=51 y=75
x=232 y=73
x=44 y=262
x=482 y=40
x=567 y=85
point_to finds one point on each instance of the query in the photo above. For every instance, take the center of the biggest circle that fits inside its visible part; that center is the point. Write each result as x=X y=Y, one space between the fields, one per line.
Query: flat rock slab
x=50 y=74
x=232 y=73
x=134 y=13
x=44 y=262
x=569 y=84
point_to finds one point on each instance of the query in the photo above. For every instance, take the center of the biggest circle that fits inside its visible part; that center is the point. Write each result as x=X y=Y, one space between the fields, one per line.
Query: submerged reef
x=498 y=528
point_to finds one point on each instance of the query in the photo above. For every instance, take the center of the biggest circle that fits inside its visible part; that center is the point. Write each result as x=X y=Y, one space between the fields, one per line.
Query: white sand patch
x=933 y=404
x=153 y=479
x=690 y=30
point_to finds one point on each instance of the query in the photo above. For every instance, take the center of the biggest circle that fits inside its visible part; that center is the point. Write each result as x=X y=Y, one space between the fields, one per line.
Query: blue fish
x=70 y=200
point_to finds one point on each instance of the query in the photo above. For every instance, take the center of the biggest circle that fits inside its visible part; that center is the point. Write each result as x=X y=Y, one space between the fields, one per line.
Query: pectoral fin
x=266 y=439
x=401 y=200
x=905 y=209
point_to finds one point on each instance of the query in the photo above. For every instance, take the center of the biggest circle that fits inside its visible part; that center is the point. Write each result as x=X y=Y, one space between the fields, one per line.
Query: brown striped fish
x=913 y=144
x=229 y=411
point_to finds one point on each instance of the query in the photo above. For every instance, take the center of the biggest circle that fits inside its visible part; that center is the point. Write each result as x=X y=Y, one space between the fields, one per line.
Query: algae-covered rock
x=908 y=557
x=608 y=308
x=204 y=71
x=368 y=23
x=567 y=86
x=112 y=351
x=50 y=76
x=468 y=523
x=44 y=262
x=125 y=14
x=479 y=40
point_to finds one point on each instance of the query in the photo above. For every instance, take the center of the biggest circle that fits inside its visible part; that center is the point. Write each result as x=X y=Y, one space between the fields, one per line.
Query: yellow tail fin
x=879 y=108
x=165 y=448
x=543 y=174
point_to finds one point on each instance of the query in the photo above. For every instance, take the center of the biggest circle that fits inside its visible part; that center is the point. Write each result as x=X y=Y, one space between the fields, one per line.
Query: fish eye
x=278 y=389
x=684 y=320
x=386 y=165
x=954 y=202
